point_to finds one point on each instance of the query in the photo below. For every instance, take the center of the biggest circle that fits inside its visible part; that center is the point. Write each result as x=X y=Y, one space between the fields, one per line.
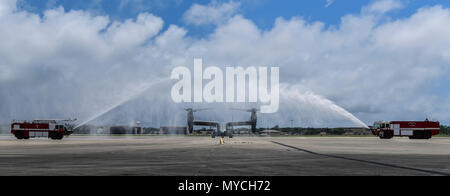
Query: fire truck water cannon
x=412 y=129
x=55 y=129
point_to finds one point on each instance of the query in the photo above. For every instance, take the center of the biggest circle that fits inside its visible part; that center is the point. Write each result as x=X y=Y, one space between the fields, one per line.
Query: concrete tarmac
x=241 y=156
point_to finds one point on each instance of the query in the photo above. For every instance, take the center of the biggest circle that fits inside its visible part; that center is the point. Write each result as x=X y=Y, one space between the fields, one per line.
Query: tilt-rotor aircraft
x=221 y=131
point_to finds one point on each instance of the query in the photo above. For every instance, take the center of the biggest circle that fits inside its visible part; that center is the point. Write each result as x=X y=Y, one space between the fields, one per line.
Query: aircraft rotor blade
x=199 y=110
x=247 y=110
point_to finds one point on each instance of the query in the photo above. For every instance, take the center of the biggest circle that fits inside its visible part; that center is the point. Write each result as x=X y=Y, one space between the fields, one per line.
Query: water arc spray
x=122 y=101
x=308 y=97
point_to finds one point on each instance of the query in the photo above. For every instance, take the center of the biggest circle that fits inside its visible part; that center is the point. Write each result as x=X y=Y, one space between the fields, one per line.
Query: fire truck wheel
x=19 y=135
x=60 y=136
x=56 y=136
x=421 y=135
x=389 y=135
x=386 y=135
x=52 y=136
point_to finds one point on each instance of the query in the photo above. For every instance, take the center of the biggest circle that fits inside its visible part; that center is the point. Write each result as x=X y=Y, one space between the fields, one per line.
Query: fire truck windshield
x=381 y=125
x=376 y=125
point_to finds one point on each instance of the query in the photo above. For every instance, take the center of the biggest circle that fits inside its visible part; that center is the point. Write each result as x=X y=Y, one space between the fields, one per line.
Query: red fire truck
x=412 y=129
x=54 y=129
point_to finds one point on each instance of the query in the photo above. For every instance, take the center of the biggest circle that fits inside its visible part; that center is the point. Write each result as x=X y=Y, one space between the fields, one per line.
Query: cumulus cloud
x=7 y=6
x=213 y=13
x=74 y=64
x=134 y=32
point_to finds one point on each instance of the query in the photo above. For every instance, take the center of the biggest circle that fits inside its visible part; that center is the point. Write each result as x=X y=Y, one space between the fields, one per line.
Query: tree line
x=445 y=130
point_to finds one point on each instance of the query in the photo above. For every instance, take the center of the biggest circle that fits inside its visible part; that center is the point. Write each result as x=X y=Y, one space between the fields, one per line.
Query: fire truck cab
x=54 y=129
x=412 y=129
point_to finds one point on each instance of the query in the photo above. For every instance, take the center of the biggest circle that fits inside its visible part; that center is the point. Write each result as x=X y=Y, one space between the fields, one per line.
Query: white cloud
x=7 y=6
x=213 y=13
x=70 y=63
x=383 y=6
x=134 y=32
x=329 y=2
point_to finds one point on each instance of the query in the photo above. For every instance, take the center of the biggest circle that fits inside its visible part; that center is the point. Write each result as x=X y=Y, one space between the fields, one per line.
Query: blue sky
x=262 y=12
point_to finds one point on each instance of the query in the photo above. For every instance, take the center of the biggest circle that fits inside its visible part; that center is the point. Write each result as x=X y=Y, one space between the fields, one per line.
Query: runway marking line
x=364 y=161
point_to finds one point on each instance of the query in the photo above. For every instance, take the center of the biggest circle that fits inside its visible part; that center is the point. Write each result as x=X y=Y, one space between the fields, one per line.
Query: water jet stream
x=123 y=101
x=317 y=100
